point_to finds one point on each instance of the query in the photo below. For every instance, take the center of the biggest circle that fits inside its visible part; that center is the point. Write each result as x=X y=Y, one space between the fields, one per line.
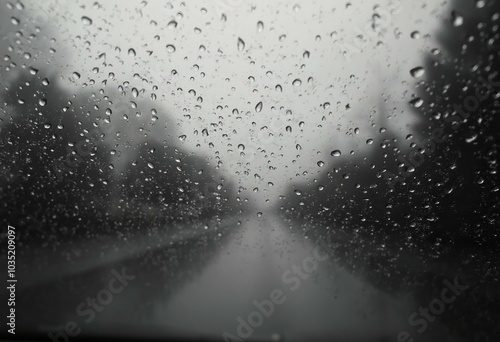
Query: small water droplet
x=241 y=44
x=170 y=48
x=415 y=35
x=297 y=82
x=457 y=19
x=417 y=103
x=131 y=52
x=260 y=26
x=76 y=75
x=86 y=21
x=172 y=24
x=336 y=153
x=320 y=163
x=417 y=72
x=258 y=107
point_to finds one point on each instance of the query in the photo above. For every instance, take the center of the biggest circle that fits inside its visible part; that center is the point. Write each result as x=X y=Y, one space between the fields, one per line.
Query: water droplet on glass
x=182 y=138
x=417 y=72
x=415 y=35
x=172 y=24
x=258 y=107
x=298 y=192
x=320 y=163
x=131 y=52
x=306 y=54
x=369 y=142
x=260 y=26
x=170 y=48
x=457 y=19
x=241 y=44
x=150 y=165
x=86 y=21
x=76 y=75
x=297 y=82
x=336 y=153
x=417 y=103
x=289 y=128
x=42 y=102
x=45 y=82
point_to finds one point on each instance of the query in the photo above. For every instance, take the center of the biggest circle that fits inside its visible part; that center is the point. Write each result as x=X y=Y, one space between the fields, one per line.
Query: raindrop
x=296 y=7
x=415 y=35
x=131 y=52
x=150 y=165
x=457 y=19
x=76 y=75
x=45 y=82
x=260 y=26
x=258 y=107
x=297 y=82
x=298 y=192
x=86 y=21
x=172 y=24
x=288 y=129
x=369 y=142
x=298 y=147
x=417 y=103
x=182 y=138
x=278 y=88
x=42 y=102
x=336 y=153
x=170 y=48
x=306 y=54
x=241 y=44
x=417 y=72
x=326 y=105
x=33 y=71
x=321 y=163
x=241 y=147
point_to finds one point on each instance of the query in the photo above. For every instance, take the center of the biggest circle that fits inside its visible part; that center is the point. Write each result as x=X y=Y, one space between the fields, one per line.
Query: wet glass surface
x=237 y=170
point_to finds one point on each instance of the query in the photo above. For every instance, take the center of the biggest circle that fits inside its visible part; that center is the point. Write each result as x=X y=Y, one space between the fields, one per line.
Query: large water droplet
x=336 y=153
